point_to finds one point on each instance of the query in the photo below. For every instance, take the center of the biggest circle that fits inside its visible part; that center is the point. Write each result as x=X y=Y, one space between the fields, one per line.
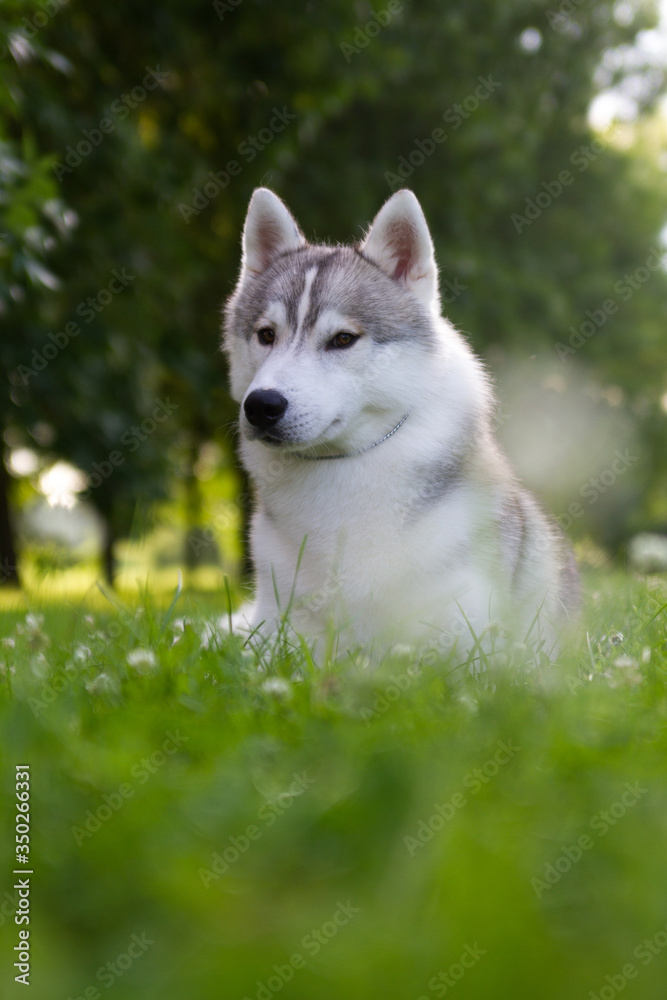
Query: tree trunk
x=247 y=568
x=108 y=558
x=193 y=511
x=9 y=573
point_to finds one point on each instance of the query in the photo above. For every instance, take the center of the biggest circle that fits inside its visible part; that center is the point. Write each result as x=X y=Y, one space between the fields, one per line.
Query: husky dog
x=385 y=508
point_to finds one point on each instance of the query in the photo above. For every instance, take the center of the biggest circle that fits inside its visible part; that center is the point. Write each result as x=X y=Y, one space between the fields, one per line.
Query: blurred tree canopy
x=132 y=135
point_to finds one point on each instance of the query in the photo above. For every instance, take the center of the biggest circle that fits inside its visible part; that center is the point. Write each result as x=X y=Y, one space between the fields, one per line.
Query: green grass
x=229 y=808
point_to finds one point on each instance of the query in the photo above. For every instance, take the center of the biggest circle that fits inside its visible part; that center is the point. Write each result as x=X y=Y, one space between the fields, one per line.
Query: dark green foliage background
x=357 y=113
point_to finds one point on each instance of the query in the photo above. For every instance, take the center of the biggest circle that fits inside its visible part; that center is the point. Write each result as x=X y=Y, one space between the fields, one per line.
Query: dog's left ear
x=400 y=243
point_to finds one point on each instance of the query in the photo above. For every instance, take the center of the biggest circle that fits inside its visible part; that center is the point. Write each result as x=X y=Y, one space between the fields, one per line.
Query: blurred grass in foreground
x=212 y=822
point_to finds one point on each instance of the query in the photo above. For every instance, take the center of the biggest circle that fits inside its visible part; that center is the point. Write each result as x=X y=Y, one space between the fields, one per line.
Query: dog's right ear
x=270 y=229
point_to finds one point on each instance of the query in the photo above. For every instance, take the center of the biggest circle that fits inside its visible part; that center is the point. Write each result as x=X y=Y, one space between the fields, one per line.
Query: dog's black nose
x=264 y=407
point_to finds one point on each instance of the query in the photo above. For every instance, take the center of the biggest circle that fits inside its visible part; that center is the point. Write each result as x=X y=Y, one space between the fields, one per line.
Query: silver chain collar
x=352 y=454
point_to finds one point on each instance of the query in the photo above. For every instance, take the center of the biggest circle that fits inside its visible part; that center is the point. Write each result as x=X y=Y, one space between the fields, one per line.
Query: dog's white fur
x=425 y=537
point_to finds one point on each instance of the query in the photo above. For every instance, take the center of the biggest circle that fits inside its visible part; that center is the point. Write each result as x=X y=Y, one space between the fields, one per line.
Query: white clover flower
x=402 y=649
x=361 y=661
x=469 y=703
x=102 y=684
x=647 y=552
x=81 y=653
x=31 y=629
x=277 y=686
x=625 y=672
x=625 y=662
x=39 y=665
x=8 y=642
x=142 y=659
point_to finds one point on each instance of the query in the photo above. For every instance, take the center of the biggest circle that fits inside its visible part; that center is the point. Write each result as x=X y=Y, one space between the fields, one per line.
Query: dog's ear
x=269 y=230
x=400 y=243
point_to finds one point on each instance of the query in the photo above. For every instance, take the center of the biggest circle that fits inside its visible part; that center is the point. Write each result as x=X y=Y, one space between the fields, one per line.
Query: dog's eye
x=266 y=335
x=342 y=340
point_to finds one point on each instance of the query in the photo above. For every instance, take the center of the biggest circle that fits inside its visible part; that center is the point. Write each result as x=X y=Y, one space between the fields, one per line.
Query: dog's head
x=326 y=344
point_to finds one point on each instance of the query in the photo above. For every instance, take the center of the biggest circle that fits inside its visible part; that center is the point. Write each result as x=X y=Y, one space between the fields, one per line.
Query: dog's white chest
x=365 y=561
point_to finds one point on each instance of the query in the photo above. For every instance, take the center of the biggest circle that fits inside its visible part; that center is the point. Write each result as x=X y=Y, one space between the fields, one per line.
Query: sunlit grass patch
x=335 y=828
